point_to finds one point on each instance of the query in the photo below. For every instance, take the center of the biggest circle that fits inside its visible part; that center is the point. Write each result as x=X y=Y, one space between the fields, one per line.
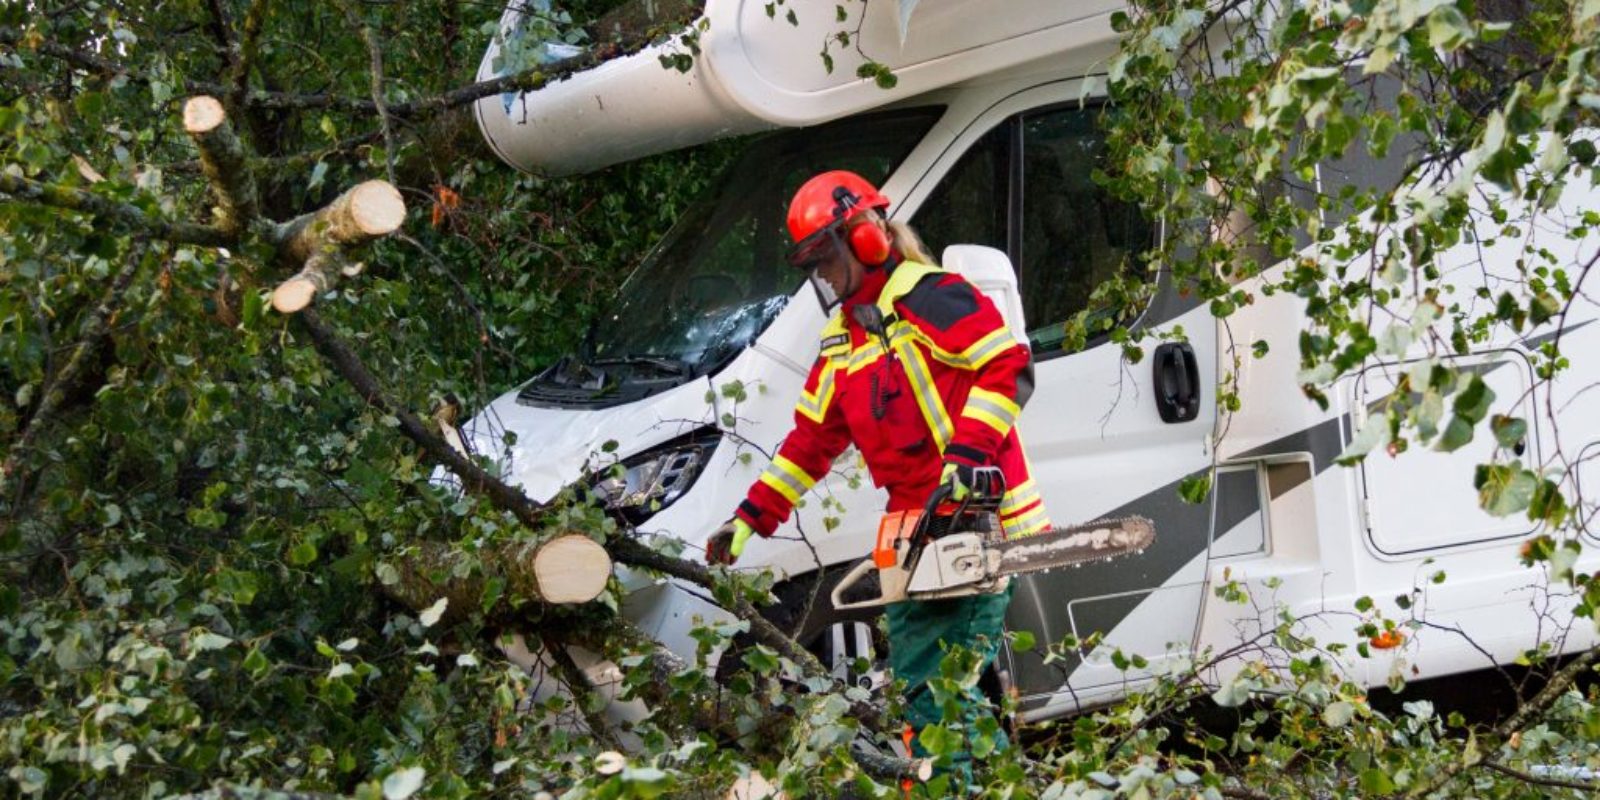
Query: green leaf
x=1472 y=402
x=1456 y=435
x=1195 y=489
x=303 y=553
x=1375 y=433
x=1448 y=28
x=1375 y=781
x=1508 y=431
x=939 y=740
x=1338 y=714
x=762 y=659
x=1504 y=489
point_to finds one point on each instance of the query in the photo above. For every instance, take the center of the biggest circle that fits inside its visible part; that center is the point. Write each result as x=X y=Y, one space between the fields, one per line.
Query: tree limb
x=582 y=689
x=317 y=241
x=375 y=57
x=249 y=42
x=94 y=331
x=222 y=160
x=1535 y=780
x=624 y=549
x=122 y=215
x=1524 y=716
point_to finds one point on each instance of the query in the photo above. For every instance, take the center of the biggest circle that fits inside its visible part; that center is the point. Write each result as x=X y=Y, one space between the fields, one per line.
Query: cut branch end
x=203 y=114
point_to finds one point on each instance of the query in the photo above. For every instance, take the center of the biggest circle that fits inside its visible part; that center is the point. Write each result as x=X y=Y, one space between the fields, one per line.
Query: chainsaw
x=956 y=549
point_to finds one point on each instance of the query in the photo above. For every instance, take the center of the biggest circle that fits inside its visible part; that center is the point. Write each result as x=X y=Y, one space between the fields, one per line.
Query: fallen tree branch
x=630 y=41
x=624 y=549
x=581 y=688
x=121 y=215
x=223 y=161
x=474 y=478
x=375 y=77
x=564 y=569
x=1524 y=716
x=317 y=241
x=249 y=41
x=92 y=334
x=1535 y=780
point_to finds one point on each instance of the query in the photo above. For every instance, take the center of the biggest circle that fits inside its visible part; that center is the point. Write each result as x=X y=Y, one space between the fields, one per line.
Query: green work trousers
x=916 y=630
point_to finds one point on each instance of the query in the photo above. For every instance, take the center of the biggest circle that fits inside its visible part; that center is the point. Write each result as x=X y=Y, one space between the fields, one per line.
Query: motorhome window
x=719 y=277
x=1074 y=233
x=969 y=206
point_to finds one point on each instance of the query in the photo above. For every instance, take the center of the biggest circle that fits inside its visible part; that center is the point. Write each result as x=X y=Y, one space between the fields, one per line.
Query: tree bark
x=563 y=570
x=222 y=159
x=317 y=240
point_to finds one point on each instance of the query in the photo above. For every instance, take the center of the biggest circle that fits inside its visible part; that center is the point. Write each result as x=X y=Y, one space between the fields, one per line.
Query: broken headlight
x=640 y=485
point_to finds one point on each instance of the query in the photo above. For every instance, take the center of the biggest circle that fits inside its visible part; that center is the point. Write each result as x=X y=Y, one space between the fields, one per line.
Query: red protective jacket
x=949 y=390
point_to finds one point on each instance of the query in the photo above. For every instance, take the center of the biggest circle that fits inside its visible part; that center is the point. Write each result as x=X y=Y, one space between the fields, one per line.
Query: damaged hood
x=554 y=446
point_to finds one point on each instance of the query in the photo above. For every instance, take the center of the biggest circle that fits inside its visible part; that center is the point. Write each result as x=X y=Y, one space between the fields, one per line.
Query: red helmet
x=830 y=197
x=821 y=208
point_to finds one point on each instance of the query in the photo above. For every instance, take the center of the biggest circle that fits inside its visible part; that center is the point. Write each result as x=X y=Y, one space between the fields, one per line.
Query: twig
x=1583 y=786
x=246 y=53
x=375 y=56
x=1525 y=715
x=580 y=686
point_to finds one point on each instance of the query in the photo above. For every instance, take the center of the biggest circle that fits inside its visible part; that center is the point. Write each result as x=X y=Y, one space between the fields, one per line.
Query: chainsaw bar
x=1074 y=545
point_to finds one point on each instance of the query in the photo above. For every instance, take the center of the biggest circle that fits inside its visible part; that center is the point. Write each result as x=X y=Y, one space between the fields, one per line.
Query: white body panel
x=756 y=72
x=1285 y=522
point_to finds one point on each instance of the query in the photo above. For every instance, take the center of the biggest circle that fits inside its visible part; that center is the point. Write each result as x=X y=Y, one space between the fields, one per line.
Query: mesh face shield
x=819 y=255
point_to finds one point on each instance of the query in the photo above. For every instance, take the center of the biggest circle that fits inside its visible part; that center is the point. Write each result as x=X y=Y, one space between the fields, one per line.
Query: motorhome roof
x=756 y=72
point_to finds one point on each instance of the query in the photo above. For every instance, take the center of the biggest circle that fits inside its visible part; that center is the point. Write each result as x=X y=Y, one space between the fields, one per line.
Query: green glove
x=952 y=477
x=727 y=544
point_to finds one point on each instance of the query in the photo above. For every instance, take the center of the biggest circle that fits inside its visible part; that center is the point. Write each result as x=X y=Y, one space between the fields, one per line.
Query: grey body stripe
x=1183 y=531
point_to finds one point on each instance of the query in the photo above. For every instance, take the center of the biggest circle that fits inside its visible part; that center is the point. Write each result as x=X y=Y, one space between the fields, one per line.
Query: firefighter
x=919 y=371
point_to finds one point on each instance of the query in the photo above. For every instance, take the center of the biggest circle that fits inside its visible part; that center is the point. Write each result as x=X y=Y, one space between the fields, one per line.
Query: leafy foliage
x=199 y=518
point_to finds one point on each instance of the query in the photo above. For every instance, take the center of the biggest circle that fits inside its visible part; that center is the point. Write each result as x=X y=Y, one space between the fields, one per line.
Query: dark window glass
x=720 y=276
x=1074 y=234
x=969 y=204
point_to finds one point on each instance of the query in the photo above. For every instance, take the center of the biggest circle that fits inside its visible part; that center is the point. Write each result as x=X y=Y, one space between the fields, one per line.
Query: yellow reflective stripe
x=1018 y=497
x=866 y=355
x=983 y=415
x=1008 y=407
x=1013 y=530
x=980 y=353
x=814 y=405
x=988 y=347
x=787 y=478
x=905 y=277
x=1031 y=522
x=992 y=409
x=923 y=388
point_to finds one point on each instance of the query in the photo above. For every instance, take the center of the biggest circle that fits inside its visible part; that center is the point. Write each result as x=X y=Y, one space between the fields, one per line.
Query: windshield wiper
x=668 y=364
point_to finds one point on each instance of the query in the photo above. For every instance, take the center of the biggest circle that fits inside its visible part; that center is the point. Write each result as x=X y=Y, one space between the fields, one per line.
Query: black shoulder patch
x=941 y=305
x=835 y=341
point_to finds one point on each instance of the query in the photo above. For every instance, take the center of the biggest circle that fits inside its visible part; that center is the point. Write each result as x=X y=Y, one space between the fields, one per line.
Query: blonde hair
x=909 y=243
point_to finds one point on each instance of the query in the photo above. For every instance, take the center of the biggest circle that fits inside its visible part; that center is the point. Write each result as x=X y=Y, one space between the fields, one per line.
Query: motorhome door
x=1106 y=435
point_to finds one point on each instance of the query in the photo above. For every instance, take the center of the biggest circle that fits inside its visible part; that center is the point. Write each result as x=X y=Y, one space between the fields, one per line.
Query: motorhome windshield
x=719 y=277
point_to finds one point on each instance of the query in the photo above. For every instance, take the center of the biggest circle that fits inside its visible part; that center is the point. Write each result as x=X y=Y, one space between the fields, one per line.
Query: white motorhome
x=987 y=144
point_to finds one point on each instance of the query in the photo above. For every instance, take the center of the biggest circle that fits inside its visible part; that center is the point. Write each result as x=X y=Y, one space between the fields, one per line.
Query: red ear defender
x=869 y=243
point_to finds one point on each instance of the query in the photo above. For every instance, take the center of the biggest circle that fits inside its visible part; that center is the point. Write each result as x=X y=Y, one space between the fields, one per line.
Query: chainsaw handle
x=850 y=579
x=939 y=494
